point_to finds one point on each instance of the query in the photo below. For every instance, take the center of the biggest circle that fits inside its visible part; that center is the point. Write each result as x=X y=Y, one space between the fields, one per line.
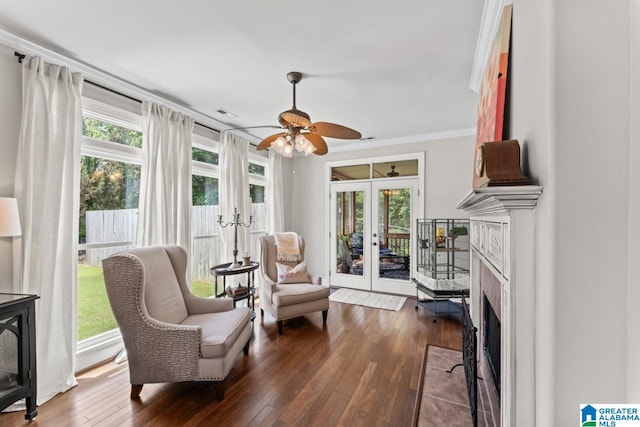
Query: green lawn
x=94 y=311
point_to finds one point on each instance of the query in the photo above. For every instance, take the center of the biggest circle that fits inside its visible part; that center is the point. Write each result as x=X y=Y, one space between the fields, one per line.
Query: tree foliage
x=204 y=190
x=399 y=209
x=110 y=185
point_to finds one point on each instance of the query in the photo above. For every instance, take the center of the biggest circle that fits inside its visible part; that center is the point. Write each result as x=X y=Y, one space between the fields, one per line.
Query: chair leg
x=324 y=315
x=280 y=322
x=219 y=390
x=246 y=348
x=135 y=391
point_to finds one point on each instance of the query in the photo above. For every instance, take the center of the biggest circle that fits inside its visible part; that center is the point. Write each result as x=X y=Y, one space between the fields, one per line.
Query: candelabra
x=236 y=223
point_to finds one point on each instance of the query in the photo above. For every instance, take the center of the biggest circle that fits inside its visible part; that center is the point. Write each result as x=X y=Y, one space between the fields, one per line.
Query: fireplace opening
x=492 y=342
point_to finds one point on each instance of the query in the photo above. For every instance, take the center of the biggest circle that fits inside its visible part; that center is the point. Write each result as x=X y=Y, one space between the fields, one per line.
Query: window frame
x=92 y=147
x=102 y=346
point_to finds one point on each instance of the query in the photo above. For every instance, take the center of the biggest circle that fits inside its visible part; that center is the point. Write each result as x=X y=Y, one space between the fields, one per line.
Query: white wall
x=570 y=104
x=633 y=337
x=531 y=115
x=592 y=124
x=448 y=170
x=10 y=112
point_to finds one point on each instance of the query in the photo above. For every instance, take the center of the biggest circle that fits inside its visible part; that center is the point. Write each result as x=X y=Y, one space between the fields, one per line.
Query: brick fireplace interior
x=489 y=341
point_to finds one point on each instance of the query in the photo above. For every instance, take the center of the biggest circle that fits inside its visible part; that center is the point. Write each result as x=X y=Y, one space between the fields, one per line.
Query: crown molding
x=488 y=26
x=411 y=139
x=110 y=81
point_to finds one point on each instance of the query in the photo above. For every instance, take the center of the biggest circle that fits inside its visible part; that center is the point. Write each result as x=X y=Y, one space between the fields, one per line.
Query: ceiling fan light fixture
x=295 y=122
x=301 y=142
x=309 y=150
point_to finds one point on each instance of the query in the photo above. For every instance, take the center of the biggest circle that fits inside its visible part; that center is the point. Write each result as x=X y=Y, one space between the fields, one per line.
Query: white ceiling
x=388 y=69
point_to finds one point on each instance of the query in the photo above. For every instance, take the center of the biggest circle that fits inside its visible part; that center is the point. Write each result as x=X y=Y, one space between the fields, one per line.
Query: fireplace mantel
x=503 y=240
x=496 y=200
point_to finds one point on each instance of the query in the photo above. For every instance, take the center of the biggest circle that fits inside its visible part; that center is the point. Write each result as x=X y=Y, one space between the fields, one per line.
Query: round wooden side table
x=224 y=270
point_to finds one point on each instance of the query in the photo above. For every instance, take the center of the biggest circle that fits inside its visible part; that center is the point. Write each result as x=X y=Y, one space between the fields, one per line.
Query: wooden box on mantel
x=498 y=163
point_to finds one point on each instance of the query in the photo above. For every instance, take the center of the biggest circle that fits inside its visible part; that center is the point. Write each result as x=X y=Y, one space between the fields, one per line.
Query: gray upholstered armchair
x=286 y=301
x=170 y=334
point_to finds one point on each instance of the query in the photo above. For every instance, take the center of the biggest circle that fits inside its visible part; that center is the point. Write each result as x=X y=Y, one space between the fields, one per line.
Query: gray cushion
x=162 y=294
x=297 y=293
x=219 y=330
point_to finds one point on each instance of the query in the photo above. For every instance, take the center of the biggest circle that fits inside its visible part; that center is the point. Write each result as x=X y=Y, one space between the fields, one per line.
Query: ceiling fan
x=301 y=132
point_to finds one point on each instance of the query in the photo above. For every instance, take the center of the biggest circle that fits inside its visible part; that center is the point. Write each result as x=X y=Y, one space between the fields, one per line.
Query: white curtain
x=234 y=194
x=164 y=213
x=275 y=193
x=47 y=188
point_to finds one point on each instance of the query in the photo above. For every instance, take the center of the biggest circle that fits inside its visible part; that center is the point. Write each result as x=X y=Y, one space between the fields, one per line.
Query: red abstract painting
x=493 y=87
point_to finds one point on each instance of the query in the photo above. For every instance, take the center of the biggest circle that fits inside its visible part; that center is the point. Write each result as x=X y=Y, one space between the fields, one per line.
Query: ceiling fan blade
x=266 y=143
x=333 y=130
x=318 y=142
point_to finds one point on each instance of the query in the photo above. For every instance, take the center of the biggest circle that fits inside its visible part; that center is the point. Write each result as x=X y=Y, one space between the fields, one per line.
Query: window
x=110 y=132
x=258 y=176
x=205 y=246
x=400 y=168
x=388 y=169
x=256 y=169
x=109 y=193
x=204 y=156
x=350 y=172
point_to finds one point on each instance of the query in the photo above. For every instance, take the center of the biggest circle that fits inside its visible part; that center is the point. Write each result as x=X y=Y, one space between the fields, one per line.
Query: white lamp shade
x=9 y=218
x=301 y=142
x=310 y=149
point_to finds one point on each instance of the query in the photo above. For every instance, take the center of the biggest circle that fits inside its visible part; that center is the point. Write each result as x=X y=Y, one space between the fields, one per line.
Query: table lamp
x=9 y=218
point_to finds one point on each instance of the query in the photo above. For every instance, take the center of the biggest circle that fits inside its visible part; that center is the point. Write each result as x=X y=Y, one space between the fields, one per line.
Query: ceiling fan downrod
x=294 y=78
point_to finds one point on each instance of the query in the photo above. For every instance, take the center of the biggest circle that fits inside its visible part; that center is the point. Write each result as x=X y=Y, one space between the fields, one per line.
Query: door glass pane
x=349 y=229
x=398 y=168
x=394 y=231
x=351 y=172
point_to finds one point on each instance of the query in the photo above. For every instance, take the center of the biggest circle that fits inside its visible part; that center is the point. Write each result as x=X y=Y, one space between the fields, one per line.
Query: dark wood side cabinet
x=18 y=351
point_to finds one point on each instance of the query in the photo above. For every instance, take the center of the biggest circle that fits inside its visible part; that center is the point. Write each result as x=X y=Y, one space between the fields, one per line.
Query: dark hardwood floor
x=363 y=368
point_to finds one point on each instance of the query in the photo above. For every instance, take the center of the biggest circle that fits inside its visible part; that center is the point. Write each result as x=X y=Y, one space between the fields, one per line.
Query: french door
x=372 y=234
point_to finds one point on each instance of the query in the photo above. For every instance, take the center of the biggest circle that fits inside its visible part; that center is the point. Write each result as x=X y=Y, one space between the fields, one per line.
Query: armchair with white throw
x=286 y=289
x=170 y=334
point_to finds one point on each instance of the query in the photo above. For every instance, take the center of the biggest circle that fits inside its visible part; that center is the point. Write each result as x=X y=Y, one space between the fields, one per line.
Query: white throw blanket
x=288 y=249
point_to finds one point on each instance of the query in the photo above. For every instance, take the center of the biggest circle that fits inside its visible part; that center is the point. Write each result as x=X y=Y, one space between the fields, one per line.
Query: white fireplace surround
x=503 y=239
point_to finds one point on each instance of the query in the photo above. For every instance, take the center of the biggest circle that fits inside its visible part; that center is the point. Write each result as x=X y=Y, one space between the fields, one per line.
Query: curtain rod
x=21 y=57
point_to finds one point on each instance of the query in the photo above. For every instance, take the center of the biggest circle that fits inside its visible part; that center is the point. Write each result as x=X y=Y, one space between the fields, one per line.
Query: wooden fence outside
x=114 y=226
